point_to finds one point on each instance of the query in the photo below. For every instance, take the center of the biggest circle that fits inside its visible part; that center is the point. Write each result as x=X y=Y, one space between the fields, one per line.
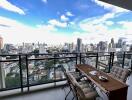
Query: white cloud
x=45 y=1
x=92 y=28
x=98 y=28
x=49 y=34
x=10 y=7
x=18 y=33
x=69 y=13
x=100 y=33
x=57 y=23
x=64 y=18
x=47 y=28
x=127 y=26
x=94 y=23
x=109 y=23
x=99 y=19
x=72 y=23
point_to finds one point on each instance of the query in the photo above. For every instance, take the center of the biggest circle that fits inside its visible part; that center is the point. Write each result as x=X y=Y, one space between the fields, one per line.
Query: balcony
x=38 y=76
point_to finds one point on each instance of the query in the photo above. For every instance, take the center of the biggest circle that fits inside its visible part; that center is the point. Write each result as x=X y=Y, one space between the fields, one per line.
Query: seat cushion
x=91 y=95
x=87 y=90
x=84 y=86
x=75 y=74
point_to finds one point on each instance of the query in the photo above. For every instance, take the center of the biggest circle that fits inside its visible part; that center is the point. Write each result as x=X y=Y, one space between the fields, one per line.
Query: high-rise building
x=79 y=45
x=111 y=46
x=73 y=47
x=102 y=46
x=1 y=42
x=121 y=41
x=119 y=44
x=112 y=43
x=43 y=48
x=27 y=48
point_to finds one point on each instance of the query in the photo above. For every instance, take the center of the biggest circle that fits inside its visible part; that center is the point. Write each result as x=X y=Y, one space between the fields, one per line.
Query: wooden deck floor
x=57 y=94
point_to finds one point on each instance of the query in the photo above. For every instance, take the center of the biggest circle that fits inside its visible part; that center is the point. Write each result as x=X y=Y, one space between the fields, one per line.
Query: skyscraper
x=79 y=45
x=112 y=43
x=111 y=46
x=1 y=42
x=102 y=46
x=42 y=48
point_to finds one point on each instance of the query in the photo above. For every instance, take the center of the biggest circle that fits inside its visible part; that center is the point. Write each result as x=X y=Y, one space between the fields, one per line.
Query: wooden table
x=115 y=89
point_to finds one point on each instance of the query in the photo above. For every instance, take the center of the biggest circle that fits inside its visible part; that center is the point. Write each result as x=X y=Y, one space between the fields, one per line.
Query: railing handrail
x=53 y=56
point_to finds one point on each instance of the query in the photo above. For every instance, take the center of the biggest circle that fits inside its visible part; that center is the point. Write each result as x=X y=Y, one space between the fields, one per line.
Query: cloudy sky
x=59 y=21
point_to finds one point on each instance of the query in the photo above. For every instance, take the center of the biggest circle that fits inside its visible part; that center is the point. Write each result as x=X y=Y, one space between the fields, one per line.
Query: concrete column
x=2 y=76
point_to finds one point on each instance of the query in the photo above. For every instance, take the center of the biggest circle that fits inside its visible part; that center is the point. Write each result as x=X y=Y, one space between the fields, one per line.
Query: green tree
x=49 y=64
x=12 y=81
x=44 y=79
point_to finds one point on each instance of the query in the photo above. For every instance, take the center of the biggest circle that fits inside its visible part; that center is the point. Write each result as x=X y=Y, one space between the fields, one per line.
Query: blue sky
x=59 y=21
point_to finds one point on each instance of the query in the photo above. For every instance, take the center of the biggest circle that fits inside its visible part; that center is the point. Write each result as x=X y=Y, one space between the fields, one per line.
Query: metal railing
x=24 y=61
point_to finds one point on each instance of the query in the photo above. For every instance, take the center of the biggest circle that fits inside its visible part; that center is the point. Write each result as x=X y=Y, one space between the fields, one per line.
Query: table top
x=108 y=86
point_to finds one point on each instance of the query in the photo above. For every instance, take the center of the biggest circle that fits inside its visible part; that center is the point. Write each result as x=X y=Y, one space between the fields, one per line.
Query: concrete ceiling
x=127 y=4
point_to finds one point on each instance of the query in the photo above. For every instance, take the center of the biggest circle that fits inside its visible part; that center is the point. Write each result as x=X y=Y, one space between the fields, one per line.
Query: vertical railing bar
x=76 y=62
x=54 y=71
x=131 y=61
x=112 y=59
x=76 y=58
x=27 y=72
x=109 y=63
x=97 y=57
x=21 y=75
x=123 y=61
x=80 y=58
x=69 y=66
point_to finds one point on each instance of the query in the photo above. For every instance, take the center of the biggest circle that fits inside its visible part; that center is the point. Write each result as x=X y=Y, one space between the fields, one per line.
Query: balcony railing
x=19 y=71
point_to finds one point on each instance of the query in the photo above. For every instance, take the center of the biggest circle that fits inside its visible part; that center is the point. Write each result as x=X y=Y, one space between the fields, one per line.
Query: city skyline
x=55 y=22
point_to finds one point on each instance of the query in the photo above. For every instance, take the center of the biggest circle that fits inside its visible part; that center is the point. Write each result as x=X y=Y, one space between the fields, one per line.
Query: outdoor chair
x=76 y=76
x=82 y=89
x=119 y=73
